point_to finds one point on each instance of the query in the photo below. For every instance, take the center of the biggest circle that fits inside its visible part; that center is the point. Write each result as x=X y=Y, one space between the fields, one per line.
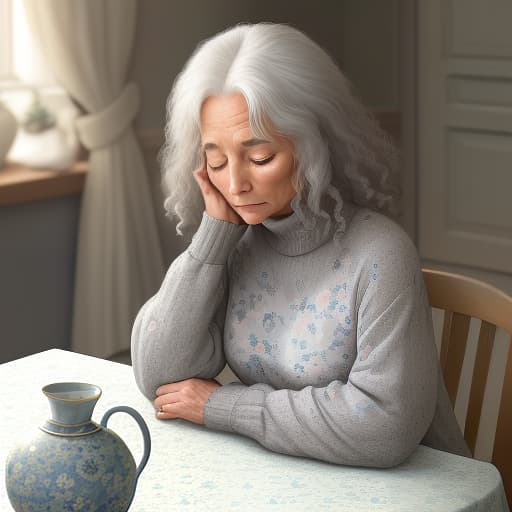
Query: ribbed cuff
x=219 y=407
x=215 y=239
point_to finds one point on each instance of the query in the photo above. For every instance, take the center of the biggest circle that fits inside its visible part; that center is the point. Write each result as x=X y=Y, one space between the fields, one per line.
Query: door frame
x=408 y=94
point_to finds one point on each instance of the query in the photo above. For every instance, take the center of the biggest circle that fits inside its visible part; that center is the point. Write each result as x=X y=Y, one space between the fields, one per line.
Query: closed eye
x=256 y=162
x=217 y=167
x=264 y=161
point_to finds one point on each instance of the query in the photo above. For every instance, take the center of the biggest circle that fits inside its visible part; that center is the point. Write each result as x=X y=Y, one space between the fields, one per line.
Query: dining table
x=191 y=468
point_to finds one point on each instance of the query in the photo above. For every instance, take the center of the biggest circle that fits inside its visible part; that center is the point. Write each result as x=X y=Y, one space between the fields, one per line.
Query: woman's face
x=253 y=175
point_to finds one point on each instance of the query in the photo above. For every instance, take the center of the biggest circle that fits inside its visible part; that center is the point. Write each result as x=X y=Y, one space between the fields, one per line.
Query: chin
x=253 y=219
x=258 y=218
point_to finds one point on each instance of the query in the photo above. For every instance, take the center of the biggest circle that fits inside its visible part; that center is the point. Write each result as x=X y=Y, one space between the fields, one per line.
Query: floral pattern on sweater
x=311 y=339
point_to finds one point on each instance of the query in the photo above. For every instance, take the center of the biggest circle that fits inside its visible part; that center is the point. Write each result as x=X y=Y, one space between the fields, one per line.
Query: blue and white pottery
x=72 y=463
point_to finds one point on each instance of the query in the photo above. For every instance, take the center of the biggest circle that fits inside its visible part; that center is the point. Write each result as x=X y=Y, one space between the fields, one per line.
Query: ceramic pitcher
x=73 y=463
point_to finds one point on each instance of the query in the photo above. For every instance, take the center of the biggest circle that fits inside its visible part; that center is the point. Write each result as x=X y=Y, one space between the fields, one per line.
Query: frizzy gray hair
x=293 y=87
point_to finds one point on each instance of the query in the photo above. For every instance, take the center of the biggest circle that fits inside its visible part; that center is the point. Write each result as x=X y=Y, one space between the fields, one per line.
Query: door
x=465 y=132
x=464 y=163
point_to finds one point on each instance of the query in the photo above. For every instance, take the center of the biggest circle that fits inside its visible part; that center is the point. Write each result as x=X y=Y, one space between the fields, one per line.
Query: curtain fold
x=88 y=44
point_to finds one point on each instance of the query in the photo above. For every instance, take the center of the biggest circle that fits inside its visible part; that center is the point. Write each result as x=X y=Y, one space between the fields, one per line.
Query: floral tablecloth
x=192 y=468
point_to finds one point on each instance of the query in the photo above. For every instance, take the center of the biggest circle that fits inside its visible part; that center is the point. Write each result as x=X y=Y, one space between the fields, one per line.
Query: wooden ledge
x=21 y=184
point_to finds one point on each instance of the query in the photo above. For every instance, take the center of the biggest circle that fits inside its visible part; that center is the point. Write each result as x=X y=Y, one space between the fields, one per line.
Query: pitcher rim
x=51 y=395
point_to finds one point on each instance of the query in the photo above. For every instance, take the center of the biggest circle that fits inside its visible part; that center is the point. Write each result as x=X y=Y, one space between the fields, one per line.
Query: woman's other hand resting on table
x=184 y=400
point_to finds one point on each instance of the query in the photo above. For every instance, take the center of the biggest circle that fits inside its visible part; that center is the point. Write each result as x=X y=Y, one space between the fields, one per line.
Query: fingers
x=211 y=195
x=202 y=179
x=169 y=388
x=171 y=411
x=208 y=191
x=216 y=204
x=169 y=406
x=169 y=398
x=201 y=175
x=185 y=399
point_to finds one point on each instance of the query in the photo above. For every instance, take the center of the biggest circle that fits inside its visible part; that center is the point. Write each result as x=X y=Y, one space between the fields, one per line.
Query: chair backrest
x=462 y=298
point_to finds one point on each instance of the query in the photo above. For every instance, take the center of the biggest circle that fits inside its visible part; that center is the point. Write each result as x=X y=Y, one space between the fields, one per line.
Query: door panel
x=477 y=163
x=477 y=28
x=465 y=132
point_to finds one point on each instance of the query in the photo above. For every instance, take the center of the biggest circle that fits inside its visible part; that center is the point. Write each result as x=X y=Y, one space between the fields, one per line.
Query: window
x=46 y=135
x=20 y=59
x=5 y=41
x=22 y=65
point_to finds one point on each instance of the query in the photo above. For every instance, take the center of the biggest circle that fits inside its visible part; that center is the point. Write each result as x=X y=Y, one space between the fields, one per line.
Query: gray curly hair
x=294 y=88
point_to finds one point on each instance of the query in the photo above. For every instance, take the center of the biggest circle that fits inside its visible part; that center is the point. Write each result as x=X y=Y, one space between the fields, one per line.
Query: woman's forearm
x=177 y=334
x=375 y=419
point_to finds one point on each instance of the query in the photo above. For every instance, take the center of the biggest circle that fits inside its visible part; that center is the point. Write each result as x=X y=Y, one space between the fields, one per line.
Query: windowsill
x=22 y=184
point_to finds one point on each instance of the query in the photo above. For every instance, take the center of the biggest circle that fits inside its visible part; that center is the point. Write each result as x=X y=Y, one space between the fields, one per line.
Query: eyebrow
x=247 y=143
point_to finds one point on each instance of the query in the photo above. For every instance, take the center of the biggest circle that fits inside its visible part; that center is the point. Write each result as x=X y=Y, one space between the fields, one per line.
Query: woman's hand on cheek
x=215 y=204
x=185 y=399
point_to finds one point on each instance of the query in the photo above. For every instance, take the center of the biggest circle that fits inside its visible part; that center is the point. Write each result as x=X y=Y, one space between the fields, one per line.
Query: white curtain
x=119 y=263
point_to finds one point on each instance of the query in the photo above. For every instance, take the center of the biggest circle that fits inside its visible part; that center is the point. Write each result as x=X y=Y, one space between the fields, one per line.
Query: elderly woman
x=295 y=275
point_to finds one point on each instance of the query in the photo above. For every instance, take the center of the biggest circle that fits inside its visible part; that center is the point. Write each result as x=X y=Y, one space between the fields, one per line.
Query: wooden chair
x=462 y=298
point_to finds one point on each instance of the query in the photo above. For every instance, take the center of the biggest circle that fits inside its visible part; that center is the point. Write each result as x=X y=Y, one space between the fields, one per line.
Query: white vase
x=54 y=148
x=8 y=128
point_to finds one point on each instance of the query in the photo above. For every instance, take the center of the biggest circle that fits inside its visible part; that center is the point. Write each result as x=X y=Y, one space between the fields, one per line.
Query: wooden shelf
x=22 y=184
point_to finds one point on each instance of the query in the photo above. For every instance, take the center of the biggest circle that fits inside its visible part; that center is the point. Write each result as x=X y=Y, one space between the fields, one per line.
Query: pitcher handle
x=145 y=435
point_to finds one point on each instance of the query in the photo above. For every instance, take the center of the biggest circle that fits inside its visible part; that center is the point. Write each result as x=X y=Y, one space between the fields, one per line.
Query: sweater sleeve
x=377 y=417
x=177 y=333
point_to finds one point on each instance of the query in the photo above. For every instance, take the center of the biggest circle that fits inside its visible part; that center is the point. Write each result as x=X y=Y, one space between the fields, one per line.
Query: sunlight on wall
x=25 y=71
x=28 y=63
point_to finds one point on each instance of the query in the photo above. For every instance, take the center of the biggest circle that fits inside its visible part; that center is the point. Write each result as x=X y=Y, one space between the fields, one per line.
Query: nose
x=239 y=179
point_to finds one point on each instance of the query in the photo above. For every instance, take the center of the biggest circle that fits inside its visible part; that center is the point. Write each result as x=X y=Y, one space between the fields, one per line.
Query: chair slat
x=456 y=337
x=480 y=373
x=502 y=452
x=445 y=339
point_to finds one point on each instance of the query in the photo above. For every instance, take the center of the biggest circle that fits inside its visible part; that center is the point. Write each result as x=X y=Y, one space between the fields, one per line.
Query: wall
x=361 y=35
x=37 y=241
x=37 y=262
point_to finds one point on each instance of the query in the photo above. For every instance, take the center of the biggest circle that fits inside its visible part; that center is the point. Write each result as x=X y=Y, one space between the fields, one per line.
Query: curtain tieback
x=102 y=128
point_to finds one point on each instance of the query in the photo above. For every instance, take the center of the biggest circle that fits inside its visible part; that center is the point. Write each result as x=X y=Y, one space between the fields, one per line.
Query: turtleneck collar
x=303 y=231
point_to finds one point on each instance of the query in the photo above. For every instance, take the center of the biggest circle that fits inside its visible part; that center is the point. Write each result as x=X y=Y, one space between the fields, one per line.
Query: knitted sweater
x=331 y=339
